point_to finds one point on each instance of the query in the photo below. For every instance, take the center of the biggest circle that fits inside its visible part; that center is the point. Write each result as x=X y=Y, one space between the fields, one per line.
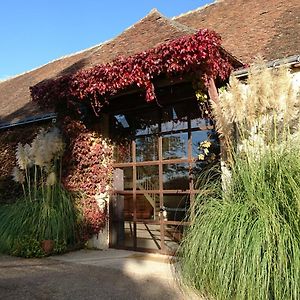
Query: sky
x=35 y=32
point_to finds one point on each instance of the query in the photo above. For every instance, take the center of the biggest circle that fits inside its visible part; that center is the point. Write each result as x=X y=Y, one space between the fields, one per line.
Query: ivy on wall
x=200 y=54
x=87 y=168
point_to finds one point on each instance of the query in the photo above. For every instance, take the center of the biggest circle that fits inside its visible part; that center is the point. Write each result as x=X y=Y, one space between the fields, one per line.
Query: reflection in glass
x=129 y=234
x=147 y=148
x=201 y=168
x=145 y=122
x=123 y=152
x=147 y=178
x=171 y=121
x=147 y=206
x=128 y=207
x=174 y=117
x=174 y=145
x=176 y=177
x=200 y=123
x=121 y=210
x=127 y=175
x=177 y=206
x=148 y=236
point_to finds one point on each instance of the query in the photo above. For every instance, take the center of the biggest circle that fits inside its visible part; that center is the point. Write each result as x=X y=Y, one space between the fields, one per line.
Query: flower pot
x=47 y=246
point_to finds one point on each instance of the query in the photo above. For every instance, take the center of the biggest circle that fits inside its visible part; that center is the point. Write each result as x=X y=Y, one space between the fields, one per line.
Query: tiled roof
x=15 y=102
x=247 y=27
x=251 y=27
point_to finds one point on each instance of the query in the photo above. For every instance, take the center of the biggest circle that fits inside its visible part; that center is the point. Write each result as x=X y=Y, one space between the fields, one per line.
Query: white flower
x=23 y=155
x=47 y=146
x=18 y=176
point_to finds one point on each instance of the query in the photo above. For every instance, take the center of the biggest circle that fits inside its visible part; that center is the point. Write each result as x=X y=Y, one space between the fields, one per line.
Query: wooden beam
x=212 y=91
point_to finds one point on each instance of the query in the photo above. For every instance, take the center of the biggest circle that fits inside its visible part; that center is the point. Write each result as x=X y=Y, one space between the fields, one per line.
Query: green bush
x=27 y=247
x=40 y=221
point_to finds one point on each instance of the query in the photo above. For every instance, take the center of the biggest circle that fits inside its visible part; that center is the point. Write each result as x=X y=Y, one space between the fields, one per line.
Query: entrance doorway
x=156 y=167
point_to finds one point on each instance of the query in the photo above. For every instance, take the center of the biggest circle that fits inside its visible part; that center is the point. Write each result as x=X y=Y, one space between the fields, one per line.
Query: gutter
x=40 y=118
x=291 y=61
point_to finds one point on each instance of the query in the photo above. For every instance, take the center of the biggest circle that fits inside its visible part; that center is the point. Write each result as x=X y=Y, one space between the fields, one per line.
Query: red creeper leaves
x=198 y=53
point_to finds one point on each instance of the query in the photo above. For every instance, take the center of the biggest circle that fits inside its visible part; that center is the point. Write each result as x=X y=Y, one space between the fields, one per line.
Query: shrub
x=27 y=247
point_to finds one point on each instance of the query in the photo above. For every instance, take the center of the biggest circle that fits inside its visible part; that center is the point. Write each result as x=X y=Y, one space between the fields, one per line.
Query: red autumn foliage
x=200 y=54
x=88 y=168
x=94 y=217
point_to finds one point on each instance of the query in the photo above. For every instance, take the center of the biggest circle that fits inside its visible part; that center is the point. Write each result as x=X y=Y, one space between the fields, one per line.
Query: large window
x=156 y=156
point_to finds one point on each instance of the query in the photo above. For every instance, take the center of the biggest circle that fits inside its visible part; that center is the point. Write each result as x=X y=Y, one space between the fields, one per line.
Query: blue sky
x=34 y=32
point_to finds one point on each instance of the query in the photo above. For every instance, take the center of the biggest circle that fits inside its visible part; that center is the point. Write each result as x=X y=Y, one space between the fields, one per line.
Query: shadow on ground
x=63 y=279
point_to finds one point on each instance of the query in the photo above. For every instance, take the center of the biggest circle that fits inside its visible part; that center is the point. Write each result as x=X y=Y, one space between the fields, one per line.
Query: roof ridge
x=177 y=24
x=52 y=61
x=195 y=10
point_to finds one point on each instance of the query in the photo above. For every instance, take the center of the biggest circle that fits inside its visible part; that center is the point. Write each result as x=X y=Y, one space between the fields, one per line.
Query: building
x=155 y=185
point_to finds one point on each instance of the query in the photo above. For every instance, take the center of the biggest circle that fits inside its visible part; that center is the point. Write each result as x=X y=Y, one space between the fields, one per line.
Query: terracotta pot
x=47 y=246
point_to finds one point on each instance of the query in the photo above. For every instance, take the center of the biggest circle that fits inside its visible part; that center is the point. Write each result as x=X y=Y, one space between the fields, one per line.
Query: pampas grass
x=46 y=210
x=267 y=106
x=244 y=241
x=38 y=162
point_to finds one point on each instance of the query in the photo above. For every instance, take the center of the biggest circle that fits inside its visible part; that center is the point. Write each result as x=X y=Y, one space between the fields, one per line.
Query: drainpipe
x=290 y=61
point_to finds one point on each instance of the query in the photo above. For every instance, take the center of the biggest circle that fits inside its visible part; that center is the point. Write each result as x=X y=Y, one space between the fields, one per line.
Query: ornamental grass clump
x=46 y=211
x=244 y=241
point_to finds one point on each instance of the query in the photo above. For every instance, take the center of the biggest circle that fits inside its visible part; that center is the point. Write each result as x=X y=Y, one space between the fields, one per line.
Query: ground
x=86 y=274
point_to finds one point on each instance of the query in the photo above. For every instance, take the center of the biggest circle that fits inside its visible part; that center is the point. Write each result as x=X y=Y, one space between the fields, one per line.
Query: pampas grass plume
x=18 y=176
x=23 y=155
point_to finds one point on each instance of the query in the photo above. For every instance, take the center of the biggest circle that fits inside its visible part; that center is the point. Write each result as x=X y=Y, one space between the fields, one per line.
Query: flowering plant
x=37 y=164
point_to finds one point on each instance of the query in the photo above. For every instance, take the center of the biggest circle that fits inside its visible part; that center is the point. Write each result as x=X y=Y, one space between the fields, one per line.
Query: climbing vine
x=200 y=54
x=88 y=169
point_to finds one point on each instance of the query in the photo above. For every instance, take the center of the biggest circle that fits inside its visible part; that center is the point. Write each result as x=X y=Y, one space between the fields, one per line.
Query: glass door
x=156 y=156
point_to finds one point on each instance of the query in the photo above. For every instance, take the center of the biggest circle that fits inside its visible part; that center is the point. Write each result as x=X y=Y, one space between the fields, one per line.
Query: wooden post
x=212 y=90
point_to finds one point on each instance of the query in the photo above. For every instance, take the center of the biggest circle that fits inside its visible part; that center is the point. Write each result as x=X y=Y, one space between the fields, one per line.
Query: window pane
x=121 y=213
x=144 y=122
x=172 y=120
x=176 y=177
x=176 y=207
x=173 y=236
x=123 y=179
x=204 y=166
x=147 y=178
x=147 y=148
x=148 y=236
x=174 y=146
x=147 y=206
x=206 y=135
x=200 y=123
x=123 y=152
